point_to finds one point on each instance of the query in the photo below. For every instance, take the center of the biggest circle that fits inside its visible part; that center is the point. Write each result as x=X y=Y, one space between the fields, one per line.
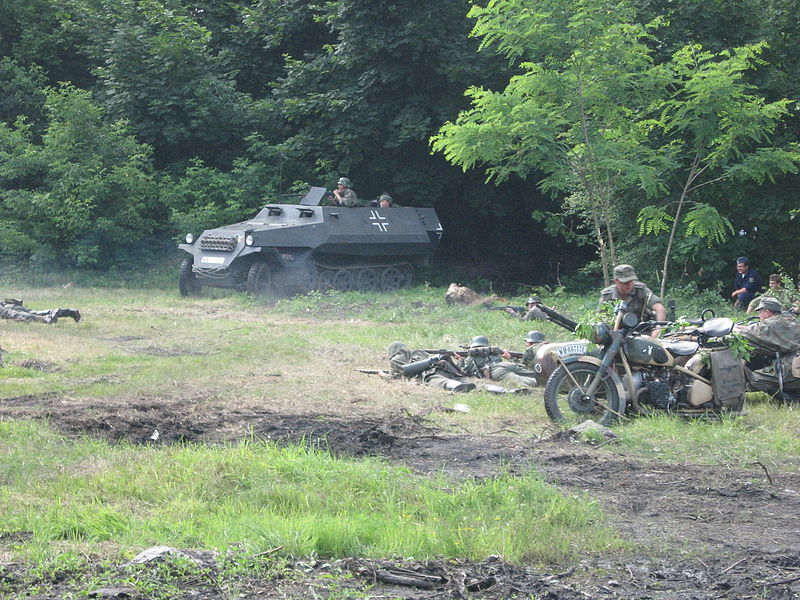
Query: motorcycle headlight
x=601 y=335
x=189 y=238
x=248 y=239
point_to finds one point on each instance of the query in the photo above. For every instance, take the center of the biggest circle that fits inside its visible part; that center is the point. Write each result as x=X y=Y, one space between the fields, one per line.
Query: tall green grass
x=767 y=433
x=258 y=496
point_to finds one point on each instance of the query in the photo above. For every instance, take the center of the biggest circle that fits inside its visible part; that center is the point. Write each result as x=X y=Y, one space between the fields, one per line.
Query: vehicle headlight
x=248 y=239
x=189 y=238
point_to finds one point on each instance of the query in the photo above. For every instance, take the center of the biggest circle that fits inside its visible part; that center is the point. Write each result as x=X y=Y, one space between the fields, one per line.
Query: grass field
x=68 y=499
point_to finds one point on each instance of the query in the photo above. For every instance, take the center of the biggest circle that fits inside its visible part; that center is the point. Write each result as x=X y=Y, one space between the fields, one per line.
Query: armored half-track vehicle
x=295 y=248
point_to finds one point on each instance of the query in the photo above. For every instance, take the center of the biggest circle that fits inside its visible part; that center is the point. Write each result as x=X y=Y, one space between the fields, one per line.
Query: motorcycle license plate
x=571 y=349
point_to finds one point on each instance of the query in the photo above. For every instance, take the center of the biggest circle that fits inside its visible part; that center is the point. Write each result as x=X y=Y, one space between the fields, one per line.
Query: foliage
x=84 y=194
x=715 y=129
x=253 y=95
x=574 y=111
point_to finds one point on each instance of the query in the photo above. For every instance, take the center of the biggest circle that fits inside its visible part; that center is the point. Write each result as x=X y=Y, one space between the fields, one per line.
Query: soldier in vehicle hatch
x=12 y=309
x=344 y=195
x=640 y=299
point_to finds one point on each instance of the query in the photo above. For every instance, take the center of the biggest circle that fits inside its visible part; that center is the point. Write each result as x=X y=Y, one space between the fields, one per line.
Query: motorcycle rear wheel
x=566 y=403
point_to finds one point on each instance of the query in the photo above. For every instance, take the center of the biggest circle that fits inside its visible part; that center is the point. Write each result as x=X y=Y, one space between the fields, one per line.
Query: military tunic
x=640 y=303
x=781 y=334
x=488 y=363
x=349 y=198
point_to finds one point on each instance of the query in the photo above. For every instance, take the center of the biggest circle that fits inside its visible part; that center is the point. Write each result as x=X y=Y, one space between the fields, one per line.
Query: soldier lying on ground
x=531 y=312
x=491 y=362
x=533 y=340
x=434 y=370
x=459 y=294
x=11 y=308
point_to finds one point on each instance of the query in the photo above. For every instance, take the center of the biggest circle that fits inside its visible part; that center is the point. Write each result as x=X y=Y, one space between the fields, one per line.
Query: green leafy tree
x=366 y=105
x=85 y=194
x=716 y=128
x=575 y=112
x=156 y=68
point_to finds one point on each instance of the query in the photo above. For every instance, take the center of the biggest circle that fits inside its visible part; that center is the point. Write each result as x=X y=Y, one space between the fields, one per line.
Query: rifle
x=372 y=371
x=469 y=352
x=558 y=318
x=450 y=353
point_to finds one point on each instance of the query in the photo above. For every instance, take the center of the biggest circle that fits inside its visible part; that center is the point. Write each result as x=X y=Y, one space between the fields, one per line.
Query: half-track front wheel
x=259 y=279
x=188 y=284
x=567 y=402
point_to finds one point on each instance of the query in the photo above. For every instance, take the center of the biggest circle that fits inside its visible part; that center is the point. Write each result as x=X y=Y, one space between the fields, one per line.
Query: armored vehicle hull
x=295 y=248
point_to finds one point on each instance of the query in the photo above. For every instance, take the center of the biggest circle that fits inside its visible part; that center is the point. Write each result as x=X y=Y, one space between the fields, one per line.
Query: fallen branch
x=387 y=577
x=765 y=471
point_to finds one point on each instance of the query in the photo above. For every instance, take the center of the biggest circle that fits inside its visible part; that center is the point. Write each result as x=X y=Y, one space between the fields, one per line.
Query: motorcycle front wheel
x=566 y=400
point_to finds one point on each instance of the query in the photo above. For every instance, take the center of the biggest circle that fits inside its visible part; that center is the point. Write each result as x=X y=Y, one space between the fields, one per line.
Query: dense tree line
x=124 y=123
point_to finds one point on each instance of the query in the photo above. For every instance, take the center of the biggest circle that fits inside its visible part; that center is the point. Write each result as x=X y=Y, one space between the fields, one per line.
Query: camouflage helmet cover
x=479 y=341
x=771 y=304
x=394 y=348
x=343 y=181
x=385 y=196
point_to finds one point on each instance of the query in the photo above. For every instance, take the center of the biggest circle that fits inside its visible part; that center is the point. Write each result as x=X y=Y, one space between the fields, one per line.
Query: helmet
x=479 y=341
x=343 y=181
x=394 y=348
x=534 y=337
x=385 y=196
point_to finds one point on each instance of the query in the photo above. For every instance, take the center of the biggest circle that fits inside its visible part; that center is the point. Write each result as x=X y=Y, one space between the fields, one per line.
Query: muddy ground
x=701 y=531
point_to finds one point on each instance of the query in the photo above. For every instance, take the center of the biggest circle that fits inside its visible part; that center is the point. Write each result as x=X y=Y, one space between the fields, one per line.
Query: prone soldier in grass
x=491 y=362
x=432 y=369
x=12 y=309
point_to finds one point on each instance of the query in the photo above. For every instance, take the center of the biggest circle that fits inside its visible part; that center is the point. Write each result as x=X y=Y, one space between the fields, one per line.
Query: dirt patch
x=699 y=531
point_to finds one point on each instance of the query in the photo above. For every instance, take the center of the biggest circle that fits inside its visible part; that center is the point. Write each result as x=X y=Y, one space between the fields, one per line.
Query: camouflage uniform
x=785 y=296
x=488 y=363
x=533 y=314
x=12 y=309
x=640 y=302
x=443 y=375
x=349 y=198
x=776 y=334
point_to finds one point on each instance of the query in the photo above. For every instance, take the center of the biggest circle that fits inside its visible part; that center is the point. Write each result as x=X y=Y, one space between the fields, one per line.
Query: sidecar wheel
x=567 y=405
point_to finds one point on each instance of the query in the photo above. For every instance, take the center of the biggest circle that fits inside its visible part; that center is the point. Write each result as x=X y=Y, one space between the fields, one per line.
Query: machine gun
x=557 y=318
x=421 y=366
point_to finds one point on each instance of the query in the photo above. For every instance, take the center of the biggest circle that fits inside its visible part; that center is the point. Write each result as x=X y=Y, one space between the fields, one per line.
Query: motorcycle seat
x=682 y=348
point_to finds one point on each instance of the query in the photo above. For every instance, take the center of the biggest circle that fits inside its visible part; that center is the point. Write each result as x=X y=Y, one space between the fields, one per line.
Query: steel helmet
x=479 y=341
x=534 y=337
x=385 y=196
x=343 y=181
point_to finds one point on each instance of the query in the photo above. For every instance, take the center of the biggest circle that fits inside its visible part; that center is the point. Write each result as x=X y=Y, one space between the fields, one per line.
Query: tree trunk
x=693 y=172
